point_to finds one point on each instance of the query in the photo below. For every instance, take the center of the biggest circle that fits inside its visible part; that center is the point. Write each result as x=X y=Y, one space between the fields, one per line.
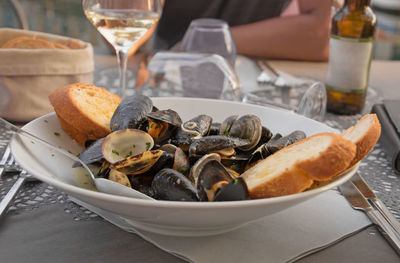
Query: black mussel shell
x=91 y=154
x=262 y=151
x=214 y=128
x=213 y=143
x=138 y=164
x=166 y=160
x=196 y=127
x=200 y=125
x=247 y=127
x=169 y=116
x=89 y=142
x=162 y=125
x=213 y=176
x=236 y=190
x=104 y=170
x=131 y=112
x=266 y=135
x=142 y=183
x=227 y=124
x=171 y=185
x=277 y=144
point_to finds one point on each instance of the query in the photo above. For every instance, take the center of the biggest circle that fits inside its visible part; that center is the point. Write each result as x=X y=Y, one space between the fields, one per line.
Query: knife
x=359 y=202
x=366 y=191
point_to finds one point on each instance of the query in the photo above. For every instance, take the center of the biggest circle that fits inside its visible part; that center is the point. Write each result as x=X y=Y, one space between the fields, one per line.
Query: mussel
x=236 y=190
x=209 y=176
x=214 y=128
x=196 y=127
x=162 y=125
x=131 y=112
x=142 y=183
x=227 y=124
x=169 y=184
x=92 y=154
x=248 y=127
x=214 y=143
x=180 y=160
x=138 y=164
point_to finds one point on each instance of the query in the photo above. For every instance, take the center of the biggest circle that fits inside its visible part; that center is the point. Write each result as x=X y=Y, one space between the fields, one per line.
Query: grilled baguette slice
x=365 y=134
x=294 y=168
x=84 y=111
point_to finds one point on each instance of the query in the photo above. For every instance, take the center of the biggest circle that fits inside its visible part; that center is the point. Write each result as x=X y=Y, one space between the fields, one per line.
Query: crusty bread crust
x=78 y=136
x=81 y=123
x=28 y=43
x=290 y=182
x=328 y=162
x=32 y=43
x=366 y=142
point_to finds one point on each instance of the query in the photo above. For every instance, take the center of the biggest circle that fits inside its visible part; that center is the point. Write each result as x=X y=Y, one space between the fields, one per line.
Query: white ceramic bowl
x=168 y=217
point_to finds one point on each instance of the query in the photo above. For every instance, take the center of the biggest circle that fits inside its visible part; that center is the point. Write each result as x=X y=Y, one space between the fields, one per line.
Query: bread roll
x=32 y=43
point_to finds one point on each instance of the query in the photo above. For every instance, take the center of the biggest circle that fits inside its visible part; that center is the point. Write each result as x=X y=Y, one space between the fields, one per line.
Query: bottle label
x=349 y=63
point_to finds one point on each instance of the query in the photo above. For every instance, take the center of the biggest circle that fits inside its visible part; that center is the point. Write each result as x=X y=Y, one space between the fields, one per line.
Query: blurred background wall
x=65 y=17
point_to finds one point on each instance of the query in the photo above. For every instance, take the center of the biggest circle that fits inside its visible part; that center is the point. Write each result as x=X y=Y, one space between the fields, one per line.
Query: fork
x=279 y=81
x=7 y=165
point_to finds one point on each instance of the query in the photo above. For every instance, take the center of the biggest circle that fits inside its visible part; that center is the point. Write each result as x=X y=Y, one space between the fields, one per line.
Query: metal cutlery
x=12 y=193
x=363 y=187
x=102 y=184
x=7 y=165
x=4 y=160
x=278 y=81
x=359 y=202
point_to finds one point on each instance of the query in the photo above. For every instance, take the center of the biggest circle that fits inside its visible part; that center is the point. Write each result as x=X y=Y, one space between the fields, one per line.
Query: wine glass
x=124 y=24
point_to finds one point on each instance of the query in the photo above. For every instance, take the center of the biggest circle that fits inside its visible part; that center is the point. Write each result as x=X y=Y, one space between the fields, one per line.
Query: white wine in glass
x=122 y=23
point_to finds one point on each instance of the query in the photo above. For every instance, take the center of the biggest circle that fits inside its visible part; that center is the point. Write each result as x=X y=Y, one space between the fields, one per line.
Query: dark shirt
x=177 y=15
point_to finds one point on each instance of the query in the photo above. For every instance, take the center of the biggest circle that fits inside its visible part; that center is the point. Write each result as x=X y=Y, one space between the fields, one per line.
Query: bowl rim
x=71 y=189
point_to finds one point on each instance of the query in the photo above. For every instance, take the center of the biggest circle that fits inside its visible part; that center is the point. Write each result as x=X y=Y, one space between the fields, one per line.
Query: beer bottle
x=350 y=51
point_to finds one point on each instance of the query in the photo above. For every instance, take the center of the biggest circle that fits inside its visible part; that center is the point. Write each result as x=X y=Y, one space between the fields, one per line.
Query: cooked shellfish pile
x=154 y=152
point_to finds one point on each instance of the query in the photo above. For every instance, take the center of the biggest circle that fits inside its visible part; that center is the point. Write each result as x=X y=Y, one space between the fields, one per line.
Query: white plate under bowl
x=168 y=217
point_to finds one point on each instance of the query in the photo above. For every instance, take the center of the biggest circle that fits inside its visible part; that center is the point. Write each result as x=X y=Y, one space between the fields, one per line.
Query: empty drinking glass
x=181 y=74
x=308 y=99
x=207 y=35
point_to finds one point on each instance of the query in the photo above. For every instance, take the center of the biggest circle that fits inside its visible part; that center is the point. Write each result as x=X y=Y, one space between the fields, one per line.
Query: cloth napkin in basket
x=282 y=237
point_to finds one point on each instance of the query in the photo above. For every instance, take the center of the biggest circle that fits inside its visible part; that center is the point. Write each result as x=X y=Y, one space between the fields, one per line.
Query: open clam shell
x=121 y=144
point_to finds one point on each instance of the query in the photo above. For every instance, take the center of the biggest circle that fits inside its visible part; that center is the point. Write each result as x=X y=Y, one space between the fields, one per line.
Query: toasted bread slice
x=365 y=134
x=84 y=111
x=294 y=168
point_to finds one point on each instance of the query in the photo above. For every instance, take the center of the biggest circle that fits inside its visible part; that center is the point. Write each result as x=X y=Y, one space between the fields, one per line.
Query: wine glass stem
x=122 y=55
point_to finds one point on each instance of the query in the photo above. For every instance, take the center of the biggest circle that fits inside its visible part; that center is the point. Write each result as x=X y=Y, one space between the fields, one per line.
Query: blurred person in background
x=274 y=29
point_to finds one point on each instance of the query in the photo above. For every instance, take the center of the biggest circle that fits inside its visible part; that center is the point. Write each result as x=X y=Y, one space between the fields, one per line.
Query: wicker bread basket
x=27 y=76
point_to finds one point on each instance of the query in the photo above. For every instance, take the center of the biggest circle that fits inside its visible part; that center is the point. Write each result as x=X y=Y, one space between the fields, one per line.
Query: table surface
x=44 y=225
